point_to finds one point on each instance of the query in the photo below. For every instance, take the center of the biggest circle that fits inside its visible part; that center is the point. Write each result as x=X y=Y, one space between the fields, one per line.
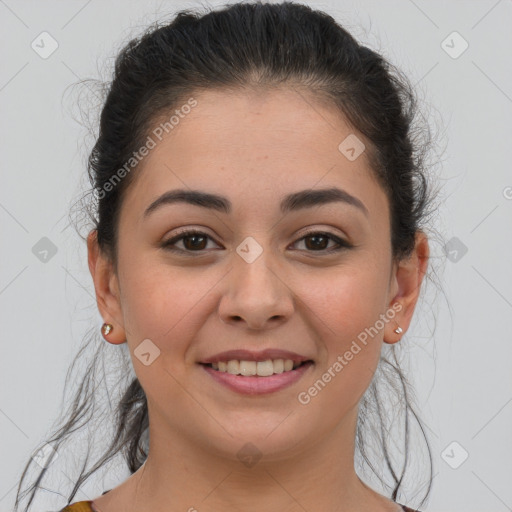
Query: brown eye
x=193 y=241
x=196 y=242
x=317 y=241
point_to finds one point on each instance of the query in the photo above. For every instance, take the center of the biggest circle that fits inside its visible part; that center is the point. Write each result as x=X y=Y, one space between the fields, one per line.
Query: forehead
x=254 y=147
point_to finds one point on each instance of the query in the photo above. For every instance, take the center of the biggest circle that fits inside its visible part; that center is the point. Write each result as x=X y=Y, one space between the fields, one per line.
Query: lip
x=249 y=355
x=255 y=385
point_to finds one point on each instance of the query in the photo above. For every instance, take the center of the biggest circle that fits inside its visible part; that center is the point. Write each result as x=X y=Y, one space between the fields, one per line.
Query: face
x=302 y=279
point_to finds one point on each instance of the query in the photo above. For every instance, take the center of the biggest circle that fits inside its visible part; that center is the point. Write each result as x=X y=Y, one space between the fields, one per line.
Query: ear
x=107 y=289
x=405 y=287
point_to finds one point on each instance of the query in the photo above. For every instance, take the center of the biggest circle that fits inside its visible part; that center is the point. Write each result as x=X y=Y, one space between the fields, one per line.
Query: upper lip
x=248 y=355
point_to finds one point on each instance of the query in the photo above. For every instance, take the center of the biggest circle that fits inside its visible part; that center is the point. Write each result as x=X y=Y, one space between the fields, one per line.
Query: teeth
x=260 y=368
x=233 y=367
x=278 y=366
x=265 y=368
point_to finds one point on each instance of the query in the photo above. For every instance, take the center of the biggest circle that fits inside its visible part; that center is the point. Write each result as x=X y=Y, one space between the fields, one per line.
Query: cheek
x=162 y=303
x=348 y=308
x=349 y=300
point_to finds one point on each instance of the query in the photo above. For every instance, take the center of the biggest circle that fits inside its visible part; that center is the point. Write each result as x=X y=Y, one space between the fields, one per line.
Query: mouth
x=265 y=368
x=256 y=372
x=256 y=377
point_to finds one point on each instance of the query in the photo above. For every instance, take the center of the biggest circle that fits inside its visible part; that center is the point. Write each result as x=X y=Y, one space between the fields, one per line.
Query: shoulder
x=79 y=506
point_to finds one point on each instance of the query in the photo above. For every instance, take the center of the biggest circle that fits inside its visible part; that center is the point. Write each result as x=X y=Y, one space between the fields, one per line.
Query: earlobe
x=408 y=278
x=394 y=329
x=107 y=291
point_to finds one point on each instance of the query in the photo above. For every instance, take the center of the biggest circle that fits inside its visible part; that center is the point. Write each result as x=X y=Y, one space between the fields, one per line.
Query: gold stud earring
x=106 y=329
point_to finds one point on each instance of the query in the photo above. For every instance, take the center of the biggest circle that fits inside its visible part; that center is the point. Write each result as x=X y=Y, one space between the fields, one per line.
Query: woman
x=258 y=246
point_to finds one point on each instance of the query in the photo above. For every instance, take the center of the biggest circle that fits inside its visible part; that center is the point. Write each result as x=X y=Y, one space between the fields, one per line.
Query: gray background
x=462 y=374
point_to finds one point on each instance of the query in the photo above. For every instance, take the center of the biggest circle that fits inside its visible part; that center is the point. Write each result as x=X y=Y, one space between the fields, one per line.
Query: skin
x=254 y=148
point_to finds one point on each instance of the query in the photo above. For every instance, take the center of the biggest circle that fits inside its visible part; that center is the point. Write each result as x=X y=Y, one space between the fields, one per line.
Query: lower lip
x=255 y=385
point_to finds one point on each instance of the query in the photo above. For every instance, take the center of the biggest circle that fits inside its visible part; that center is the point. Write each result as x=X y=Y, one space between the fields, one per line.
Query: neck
x=184 y=476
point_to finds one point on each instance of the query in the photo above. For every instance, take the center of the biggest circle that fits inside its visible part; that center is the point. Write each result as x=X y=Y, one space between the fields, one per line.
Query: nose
x=257 y=294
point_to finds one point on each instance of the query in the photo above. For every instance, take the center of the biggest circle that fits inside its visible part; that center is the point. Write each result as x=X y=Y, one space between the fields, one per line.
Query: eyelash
x=167 y=245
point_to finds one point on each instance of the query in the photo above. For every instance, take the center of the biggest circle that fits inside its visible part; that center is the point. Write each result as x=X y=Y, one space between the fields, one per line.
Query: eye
x=319 y=240
x=197 y=241
x=194 y=241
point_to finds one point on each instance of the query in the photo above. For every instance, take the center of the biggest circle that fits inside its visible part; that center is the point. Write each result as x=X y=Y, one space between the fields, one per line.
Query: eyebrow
x=292 y=202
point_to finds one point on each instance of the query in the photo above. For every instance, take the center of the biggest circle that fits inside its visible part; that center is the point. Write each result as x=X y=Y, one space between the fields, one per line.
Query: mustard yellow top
x=80 y=506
